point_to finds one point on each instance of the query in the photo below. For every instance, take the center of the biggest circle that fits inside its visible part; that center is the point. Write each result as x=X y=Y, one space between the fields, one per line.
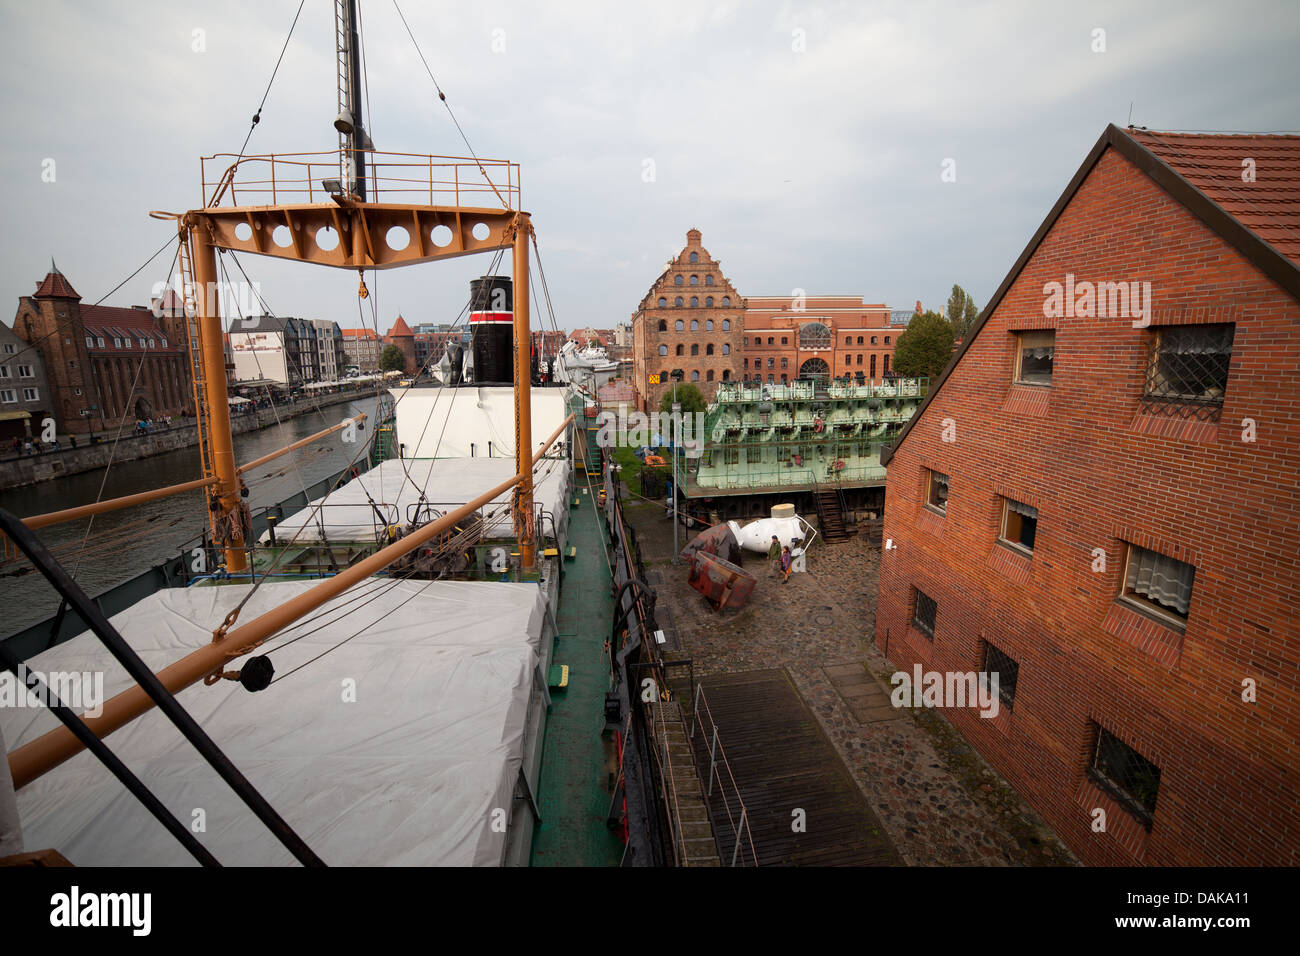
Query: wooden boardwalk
x=783 y=761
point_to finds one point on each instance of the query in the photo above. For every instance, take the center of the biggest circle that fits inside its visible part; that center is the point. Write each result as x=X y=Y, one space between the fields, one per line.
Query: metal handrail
x=278 y=178
x=668 y=782
x=718 y=756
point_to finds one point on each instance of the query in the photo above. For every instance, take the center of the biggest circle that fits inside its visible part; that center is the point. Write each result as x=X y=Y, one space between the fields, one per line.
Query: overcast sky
x=806 y=141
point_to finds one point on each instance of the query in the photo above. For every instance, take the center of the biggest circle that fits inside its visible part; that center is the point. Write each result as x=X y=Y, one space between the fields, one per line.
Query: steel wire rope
x=257 y=116
x=145 y=265
x=396 y=581
x=443 y=97
x=112 y=453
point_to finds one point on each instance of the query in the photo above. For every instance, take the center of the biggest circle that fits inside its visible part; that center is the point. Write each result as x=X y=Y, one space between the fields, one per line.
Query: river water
x=123 y=543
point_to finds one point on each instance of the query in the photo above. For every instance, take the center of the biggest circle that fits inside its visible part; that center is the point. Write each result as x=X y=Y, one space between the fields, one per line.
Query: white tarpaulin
x=447 y=484
x=406 y=772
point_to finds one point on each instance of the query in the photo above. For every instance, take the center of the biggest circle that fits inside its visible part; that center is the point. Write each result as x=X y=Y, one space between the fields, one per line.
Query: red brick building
x=816 y=336
x=1097 y=501
x=402 y=336
x=106 y=364
x=691 y=320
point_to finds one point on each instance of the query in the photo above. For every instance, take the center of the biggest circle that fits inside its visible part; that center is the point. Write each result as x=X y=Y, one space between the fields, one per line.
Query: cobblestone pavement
x=940 y=802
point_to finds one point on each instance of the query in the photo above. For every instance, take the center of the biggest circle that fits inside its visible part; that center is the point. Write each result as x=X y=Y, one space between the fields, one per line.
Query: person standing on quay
x=786 y=561
x=774 y=555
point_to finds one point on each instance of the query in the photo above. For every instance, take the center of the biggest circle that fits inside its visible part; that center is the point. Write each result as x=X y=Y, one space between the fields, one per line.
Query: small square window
x=995 y=662
x=1019 y=525
x=1034 y=357
x=936 y=494
x=1187 y=370
x=1158 y=584
x=1126 y=775
x=924 y=612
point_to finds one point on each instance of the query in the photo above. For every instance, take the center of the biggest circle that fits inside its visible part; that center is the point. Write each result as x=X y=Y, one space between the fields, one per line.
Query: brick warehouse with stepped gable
x=691 y=319
x=694 y=319
x=1125 y=442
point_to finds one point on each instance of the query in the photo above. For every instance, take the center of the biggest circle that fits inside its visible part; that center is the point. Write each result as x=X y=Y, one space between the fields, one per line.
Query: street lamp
x=676 y=423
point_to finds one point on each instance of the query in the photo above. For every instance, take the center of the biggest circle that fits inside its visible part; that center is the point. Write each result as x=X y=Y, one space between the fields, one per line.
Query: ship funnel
x=492 y=324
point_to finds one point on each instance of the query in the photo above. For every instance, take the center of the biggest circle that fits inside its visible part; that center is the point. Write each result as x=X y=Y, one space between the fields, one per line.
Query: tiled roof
x=400 y=328
x=55 y=286
x=140 y=320
x=1269 y=206
x=359 y=334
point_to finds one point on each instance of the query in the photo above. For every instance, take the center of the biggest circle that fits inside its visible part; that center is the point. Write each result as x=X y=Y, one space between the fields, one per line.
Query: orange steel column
x=214 y=374
x=523 y=390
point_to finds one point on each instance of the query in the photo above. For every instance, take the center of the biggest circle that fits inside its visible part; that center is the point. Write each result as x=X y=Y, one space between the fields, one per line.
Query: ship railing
x=704 y=736
x=275 y=179
x=663 y=755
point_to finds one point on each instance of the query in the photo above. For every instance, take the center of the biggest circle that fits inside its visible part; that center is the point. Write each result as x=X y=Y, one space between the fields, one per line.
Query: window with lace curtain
x=1158 y=584
x=1187 y=370
x=1034 y=357
x=1019 y=525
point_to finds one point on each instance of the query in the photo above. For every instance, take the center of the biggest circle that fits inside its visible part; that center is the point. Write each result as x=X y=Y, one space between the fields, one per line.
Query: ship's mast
x=353 y=141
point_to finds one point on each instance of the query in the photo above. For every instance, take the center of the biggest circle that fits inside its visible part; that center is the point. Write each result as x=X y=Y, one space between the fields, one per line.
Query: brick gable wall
x=1101 y=475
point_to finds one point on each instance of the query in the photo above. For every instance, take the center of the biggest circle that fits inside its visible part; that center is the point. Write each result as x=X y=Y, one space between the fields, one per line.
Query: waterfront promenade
x=18 y=471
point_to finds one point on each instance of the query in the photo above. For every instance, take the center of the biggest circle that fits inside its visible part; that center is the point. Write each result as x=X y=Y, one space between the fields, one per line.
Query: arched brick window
x=695 y=350
x=708 y=376
x=726 y=348
x=695 y=280
x=695 y=375
x=679 y=349
x=677 y=280
x=708 y=280
x=708 y=324
x=695 y=325
x=663 y=303
x=695 y=257
x=663 y=325
x=726 y=325
x=814 y=335
x=708 y=349
x=663 y=350
x=678 y=302
x=695 y=302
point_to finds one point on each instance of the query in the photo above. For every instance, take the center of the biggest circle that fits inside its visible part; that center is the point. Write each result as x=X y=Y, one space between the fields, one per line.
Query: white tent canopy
x=447 y=483
x=407 y=772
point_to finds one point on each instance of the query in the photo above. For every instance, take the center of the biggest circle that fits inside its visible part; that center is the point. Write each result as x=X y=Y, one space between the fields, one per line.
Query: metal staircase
x=830 y=514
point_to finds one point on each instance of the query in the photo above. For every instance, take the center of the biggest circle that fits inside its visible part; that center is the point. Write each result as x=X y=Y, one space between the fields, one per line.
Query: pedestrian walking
x=786 y=561
x=774 y=555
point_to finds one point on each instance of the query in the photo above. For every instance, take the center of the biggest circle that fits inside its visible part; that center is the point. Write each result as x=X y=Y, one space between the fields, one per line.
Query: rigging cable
x=161 y=249
x=443 y=96
x=126 y=404
x=257 y=116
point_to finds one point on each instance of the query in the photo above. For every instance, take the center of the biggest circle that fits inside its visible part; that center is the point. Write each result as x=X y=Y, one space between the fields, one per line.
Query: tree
x=687 y=395
x=925 y=347
x=392 y=359
x=962 y=311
